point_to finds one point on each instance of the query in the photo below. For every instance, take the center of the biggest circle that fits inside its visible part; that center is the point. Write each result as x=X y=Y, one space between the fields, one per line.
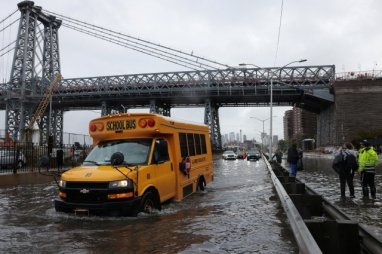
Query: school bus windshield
x=135 y=151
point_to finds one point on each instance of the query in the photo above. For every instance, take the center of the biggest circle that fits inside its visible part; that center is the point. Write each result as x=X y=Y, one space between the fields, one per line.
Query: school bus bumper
x=118 y=206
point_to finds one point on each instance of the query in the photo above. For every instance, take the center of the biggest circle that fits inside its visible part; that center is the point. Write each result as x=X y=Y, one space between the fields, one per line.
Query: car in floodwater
x=10 y=158
x=253 y=155
x=229 y=155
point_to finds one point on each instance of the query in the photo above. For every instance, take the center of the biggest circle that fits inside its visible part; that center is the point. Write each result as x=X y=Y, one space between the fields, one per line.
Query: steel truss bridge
x=304 y=86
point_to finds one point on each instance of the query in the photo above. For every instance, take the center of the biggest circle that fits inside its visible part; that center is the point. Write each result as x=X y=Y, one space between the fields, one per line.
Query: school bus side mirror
x=117 y=158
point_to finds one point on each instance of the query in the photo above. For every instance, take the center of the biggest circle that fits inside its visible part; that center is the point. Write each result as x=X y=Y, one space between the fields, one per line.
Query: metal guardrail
x=329 y=229
x=304 y=238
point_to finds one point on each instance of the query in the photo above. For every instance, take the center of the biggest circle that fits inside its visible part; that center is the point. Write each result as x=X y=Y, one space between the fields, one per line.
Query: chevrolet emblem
x=84 y=191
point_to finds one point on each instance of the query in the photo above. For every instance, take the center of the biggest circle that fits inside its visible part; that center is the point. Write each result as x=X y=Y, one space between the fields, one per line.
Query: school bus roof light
x=96 y=126
x=143 y=123
x=150 y=122
x=93 y=127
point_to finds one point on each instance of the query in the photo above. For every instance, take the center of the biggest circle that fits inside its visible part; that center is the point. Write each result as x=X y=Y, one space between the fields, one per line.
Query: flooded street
x=238 y=213
x=320 y=176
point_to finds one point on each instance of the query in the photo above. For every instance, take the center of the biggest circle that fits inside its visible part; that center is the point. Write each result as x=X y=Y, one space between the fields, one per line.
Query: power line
x=134 y=47
x=9 y=25
x=124 y=45
x=279 y=31
x=7 y=45
x=8 y=16
x=129 y=41
x=144 y=42
x=7 y=52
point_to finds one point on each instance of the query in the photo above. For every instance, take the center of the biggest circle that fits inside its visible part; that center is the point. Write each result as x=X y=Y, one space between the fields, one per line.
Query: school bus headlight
x=62 y=183
x=121 y=184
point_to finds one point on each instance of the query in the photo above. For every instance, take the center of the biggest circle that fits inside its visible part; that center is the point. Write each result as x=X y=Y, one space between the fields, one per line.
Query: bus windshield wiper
x=92 y=162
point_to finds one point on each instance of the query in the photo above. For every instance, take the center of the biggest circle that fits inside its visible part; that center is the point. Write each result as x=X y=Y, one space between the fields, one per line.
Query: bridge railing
x=213 y=79
x=303 y=76
x=359 y=75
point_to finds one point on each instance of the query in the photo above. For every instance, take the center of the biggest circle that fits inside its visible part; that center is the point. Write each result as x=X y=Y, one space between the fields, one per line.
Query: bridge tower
x=36 y=60
x=211 y=118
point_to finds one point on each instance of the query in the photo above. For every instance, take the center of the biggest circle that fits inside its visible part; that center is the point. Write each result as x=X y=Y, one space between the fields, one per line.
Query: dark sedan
x=253 y=155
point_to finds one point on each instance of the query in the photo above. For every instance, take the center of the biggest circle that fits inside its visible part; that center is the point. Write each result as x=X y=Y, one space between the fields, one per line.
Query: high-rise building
x=299 y=123
x=231 y=136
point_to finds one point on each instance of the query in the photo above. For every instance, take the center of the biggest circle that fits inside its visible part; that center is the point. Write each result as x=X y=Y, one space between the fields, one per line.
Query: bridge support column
x=160 y=108
x=211 y=118
x=107 y=109
x=56 y=127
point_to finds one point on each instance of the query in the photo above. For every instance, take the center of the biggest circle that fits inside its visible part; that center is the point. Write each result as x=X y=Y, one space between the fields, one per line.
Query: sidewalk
x=8 y=180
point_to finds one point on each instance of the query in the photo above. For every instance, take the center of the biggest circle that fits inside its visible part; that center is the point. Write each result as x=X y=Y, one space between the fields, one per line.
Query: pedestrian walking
x=347 y=168
x=368 y=160
x=292 y=159
x=279 y=155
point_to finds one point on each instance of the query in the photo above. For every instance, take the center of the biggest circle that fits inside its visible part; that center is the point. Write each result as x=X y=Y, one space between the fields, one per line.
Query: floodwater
x=238 y=213
x=320 y=176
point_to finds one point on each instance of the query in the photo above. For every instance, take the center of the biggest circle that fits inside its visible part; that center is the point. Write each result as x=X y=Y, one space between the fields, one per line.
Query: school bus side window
x=197 y=144
x=160 y=152
x=183 y=144
x=191 y=145
x=203 y=141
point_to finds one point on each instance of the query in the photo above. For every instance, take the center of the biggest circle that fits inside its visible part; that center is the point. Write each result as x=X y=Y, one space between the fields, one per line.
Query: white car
x=8 y=158
x=229 y=155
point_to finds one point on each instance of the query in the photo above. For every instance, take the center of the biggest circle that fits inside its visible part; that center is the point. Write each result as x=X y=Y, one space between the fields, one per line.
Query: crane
x=39 y=112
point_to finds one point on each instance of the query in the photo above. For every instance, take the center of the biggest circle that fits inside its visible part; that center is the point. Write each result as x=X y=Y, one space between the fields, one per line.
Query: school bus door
x=165 y=171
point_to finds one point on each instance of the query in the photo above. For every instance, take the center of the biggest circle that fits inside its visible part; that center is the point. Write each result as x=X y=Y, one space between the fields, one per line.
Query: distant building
x=299 y=123
x=275 y=140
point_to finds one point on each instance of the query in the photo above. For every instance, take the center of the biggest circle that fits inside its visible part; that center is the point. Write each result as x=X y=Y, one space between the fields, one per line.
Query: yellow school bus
x=138 y=161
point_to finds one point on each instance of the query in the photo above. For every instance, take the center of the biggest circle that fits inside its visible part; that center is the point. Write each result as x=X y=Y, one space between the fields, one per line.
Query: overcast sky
x=346 y=33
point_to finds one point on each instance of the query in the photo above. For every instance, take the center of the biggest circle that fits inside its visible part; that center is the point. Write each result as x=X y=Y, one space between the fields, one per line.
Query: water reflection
x=320 y=176
x=236 y=214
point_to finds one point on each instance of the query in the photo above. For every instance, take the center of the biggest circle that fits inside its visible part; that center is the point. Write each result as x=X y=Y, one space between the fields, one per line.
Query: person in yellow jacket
x=368 y=160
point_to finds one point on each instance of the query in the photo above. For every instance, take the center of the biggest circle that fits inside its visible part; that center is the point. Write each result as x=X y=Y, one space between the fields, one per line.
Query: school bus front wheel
x=148 y=203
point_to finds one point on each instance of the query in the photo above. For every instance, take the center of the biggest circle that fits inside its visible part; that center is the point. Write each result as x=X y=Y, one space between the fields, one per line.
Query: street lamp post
x=271 y=100
x=262 y=134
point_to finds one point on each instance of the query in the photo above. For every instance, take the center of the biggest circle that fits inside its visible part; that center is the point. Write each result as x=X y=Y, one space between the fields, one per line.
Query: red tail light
x=93 y=127
x=144 y=122
x=150 y=122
